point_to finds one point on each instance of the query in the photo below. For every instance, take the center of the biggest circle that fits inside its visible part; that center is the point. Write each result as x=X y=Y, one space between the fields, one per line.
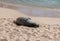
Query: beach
x=48 y=30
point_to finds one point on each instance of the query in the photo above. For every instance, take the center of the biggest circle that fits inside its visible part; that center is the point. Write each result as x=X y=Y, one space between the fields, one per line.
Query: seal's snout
x=35 y=25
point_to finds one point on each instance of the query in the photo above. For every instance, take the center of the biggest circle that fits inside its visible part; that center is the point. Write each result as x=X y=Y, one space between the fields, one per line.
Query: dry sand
x=49 y=29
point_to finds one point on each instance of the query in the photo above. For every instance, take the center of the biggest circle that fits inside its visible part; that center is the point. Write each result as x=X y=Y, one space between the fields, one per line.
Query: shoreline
x=26 y=5
x=33 y=11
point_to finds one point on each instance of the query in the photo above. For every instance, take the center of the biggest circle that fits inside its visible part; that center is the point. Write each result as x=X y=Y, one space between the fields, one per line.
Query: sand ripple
x=10 y=32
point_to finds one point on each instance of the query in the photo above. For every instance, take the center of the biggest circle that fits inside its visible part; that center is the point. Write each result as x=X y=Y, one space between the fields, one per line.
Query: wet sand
x=33 y=10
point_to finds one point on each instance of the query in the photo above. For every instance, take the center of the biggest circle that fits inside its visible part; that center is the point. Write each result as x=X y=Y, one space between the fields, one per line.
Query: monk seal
x=26 y=21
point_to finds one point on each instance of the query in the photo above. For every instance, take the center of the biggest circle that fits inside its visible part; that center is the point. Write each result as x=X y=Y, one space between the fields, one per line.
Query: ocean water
x=38 y=11
x=46 y=3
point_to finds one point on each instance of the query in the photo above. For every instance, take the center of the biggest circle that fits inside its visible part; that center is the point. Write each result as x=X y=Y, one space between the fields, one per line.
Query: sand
x=49 y=29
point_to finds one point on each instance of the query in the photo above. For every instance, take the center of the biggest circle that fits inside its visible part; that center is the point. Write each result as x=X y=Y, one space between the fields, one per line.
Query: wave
x=47 y=3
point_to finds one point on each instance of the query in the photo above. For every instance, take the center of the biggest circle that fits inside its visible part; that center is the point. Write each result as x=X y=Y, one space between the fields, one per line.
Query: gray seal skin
x=25 y=21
